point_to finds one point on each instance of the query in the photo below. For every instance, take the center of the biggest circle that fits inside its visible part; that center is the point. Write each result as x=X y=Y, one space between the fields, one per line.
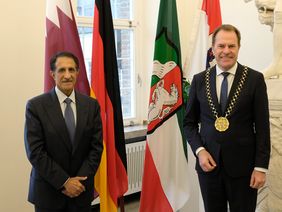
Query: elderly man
x=63 y=141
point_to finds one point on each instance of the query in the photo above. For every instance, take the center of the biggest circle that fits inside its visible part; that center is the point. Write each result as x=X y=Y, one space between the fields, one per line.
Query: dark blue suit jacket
x=246 y=144
x=54 y=159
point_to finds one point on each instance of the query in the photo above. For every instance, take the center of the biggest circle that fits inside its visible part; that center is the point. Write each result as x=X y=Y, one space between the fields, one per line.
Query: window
x=125 y=37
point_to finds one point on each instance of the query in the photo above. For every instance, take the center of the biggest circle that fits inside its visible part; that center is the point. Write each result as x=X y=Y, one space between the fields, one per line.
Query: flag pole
x=121 y=203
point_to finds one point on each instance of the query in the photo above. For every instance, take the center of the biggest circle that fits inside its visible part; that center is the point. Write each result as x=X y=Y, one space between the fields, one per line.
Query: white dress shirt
x=61 y=97
x=219 y=79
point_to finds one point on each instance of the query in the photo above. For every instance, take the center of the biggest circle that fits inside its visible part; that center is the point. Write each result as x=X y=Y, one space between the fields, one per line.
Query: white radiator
x=135 y=153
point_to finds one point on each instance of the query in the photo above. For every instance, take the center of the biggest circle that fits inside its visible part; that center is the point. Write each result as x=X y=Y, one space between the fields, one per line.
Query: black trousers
x=219 y=189
x=68 y=208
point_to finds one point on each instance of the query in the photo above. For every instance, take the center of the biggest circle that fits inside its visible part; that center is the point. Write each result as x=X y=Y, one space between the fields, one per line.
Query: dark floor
x=131 y=203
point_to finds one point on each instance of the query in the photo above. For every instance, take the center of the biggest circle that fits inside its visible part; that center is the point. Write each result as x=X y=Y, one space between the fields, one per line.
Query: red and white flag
x=62 y=35
x=208 y=19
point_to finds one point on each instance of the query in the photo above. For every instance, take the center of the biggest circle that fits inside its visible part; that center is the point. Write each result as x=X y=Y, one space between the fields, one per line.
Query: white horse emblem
x=160 y=96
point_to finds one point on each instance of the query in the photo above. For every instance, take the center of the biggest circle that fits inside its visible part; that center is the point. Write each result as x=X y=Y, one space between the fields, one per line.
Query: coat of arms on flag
x=165 y=95
x=165 y=186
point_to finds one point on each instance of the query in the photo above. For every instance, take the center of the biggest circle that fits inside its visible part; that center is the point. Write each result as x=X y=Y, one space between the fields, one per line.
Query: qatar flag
x=62 y=35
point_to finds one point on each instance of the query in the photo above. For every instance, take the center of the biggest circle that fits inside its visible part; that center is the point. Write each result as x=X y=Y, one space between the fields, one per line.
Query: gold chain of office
x=221 y=123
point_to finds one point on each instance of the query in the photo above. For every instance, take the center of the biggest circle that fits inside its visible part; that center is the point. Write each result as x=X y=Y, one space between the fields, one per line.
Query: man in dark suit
x=227 y=127
x=63 y=141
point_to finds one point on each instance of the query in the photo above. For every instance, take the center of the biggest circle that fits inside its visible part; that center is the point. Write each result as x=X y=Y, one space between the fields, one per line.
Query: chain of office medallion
x=234 y=97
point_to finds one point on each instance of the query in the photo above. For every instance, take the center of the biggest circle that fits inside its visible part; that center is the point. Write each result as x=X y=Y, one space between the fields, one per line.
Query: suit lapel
x=234 y=86
x=81 y=112
x=56 y=118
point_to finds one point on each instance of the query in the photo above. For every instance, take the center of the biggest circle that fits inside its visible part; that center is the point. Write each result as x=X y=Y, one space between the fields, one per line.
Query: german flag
x=111 y=178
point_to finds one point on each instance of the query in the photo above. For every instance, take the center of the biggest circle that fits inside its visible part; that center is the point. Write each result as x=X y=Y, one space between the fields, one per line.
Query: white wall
x=22 y=55
x=21 y=59
x=256 y=45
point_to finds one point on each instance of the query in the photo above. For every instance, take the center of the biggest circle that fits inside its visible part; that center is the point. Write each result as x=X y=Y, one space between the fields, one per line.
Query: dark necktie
x=223 y=92
x=69 y=119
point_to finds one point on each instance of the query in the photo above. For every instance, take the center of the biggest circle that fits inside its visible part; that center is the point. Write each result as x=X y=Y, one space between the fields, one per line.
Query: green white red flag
x=165 y=179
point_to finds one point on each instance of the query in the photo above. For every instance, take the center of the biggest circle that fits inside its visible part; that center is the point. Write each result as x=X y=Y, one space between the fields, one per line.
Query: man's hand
x=73 y=187
x=206 y=161
x=257 y=179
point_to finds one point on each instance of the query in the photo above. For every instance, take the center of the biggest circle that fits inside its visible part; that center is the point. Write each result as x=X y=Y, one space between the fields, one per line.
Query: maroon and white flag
x=62 y=35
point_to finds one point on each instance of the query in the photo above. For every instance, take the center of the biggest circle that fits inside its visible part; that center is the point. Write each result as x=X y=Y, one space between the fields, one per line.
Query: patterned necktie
x=69 y=119
x=223 y=92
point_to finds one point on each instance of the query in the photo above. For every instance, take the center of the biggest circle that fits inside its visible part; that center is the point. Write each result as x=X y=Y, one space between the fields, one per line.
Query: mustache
x=67 y=80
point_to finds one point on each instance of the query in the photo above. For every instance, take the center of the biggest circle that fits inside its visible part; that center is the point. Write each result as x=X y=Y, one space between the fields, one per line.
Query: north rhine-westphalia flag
x=62 y=35
x=111 y=178
x=165 y=179
x=208 y=19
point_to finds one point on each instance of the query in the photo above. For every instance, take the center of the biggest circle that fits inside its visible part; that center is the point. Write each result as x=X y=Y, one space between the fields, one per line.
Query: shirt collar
x=61 y=96
x=232 y=70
